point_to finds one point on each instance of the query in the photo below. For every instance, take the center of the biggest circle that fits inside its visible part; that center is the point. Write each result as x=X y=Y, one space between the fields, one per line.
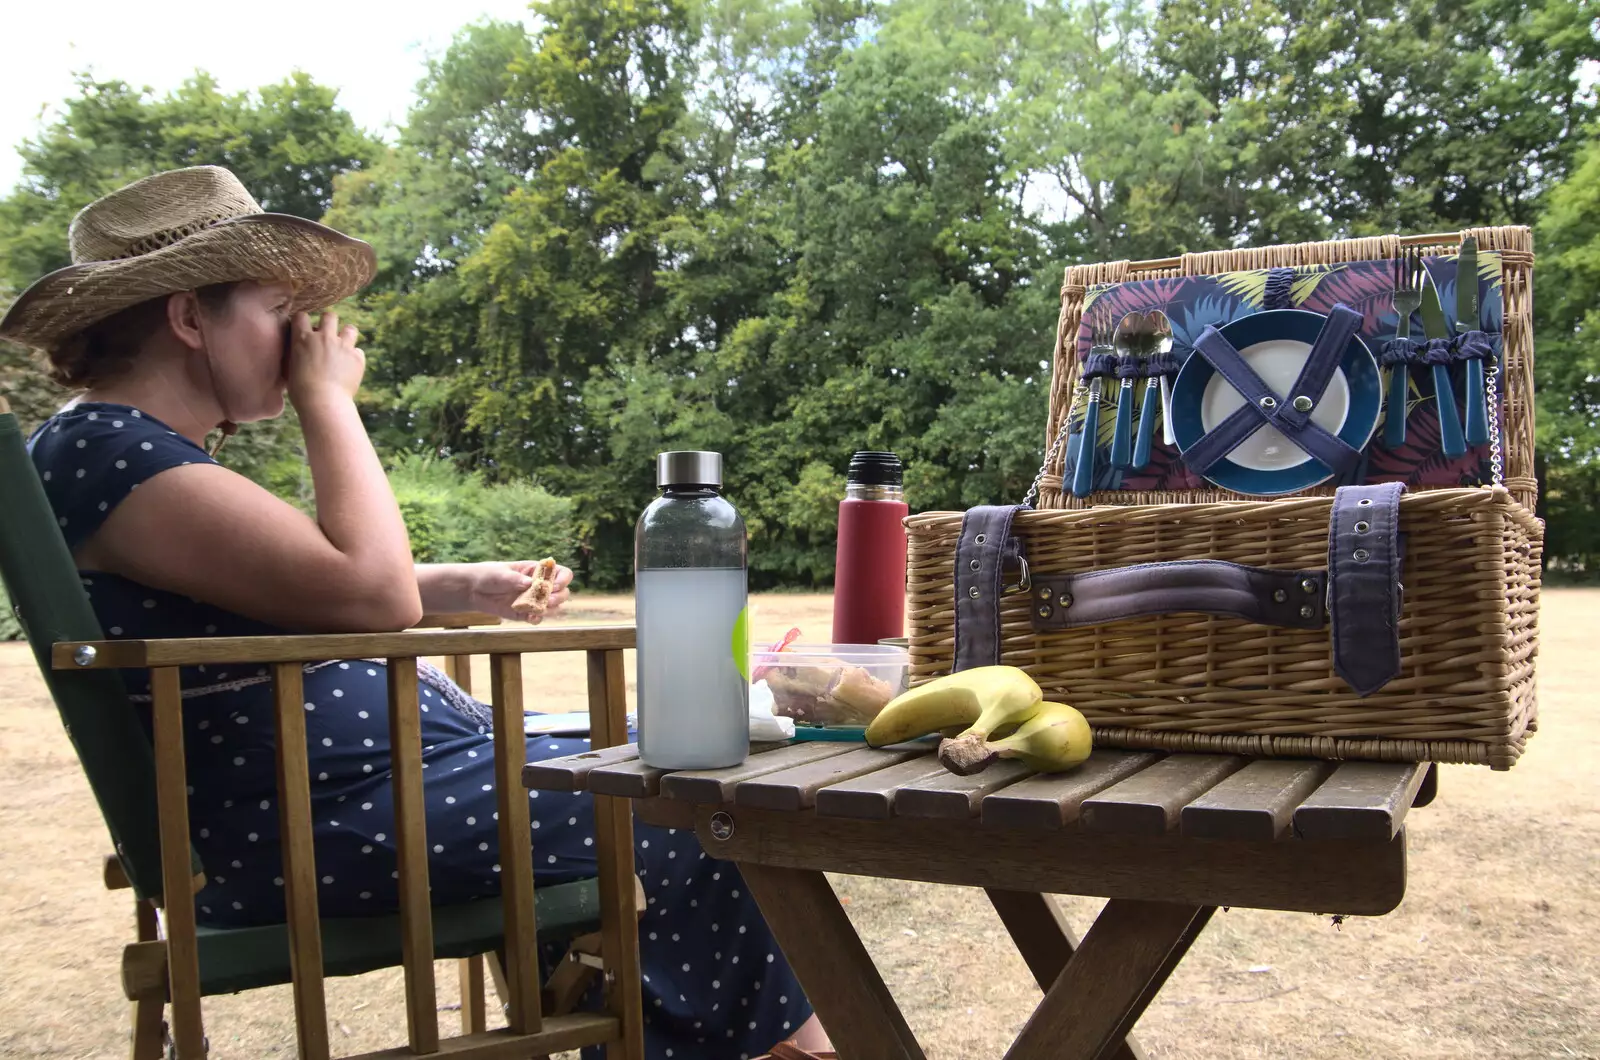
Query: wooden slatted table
x=1167 y=838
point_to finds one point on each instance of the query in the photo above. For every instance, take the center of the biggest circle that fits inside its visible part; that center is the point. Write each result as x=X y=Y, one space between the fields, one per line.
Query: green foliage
x=789 y=229
x=458 y=518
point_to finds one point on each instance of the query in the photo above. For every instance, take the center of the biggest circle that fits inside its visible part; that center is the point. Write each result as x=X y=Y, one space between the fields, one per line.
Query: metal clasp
x=1023 y=584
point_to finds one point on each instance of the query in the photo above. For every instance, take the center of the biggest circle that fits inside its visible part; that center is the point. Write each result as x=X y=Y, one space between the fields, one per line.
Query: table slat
x=1257 y=802
x=871 y=796
x=1053 y=801
x=630 y=780
x=717 y=785
x=1148 y=802
x=1361 y=800
x=796 y=788
x=572 y=772
x=956 y=797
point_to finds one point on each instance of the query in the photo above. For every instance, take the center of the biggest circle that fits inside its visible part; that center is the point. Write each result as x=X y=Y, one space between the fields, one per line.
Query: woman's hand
x=488 y=587
x=322 y=359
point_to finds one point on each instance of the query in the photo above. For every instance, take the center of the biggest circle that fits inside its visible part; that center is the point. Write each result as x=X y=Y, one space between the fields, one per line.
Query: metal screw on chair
x=1303 y=403
x=1308 y=585
x=1044 y=612
x=84 y=656
x=1363 y=527
x=1045 y=593
x=1066 y=600
x=1361 y=555
x=1269 y=402
x=976 y=564
x=1307 y=611
x=973 y=592
x=722 y=826
x=981 y=538
x=1279 y=595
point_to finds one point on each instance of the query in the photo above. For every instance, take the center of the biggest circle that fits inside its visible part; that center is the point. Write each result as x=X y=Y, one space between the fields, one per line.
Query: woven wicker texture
x=1468 y=631
x=1514 y=244
x=175 y=231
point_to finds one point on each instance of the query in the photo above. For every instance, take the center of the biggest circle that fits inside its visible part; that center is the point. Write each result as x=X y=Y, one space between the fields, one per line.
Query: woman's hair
x=103 y=351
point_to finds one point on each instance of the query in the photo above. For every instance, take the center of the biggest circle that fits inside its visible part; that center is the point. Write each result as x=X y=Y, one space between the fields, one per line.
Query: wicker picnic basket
x=1467 y=602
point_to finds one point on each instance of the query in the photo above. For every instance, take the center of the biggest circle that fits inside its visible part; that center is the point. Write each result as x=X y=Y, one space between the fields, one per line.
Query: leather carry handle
x=1294 y=599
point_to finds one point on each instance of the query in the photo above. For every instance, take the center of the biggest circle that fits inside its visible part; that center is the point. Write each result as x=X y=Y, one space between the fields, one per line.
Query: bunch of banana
x=986 y=713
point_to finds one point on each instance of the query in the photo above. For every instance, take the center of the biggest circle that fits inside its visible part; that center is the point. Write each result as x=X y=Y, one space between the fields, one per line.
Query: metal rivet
x=1045 y=611
x=1308 y=585
x=1361 y=555
x=84 y=656
x=1045 y=593
x=981 y=538
x=1308 y=612
x=1304 y=404
x=1066 y=600
x=721 y=825
x=975 y=565
x=1364 y=501
x=973 y=592
x=1269 y=402
x=1279 y=595
x=1363 y=526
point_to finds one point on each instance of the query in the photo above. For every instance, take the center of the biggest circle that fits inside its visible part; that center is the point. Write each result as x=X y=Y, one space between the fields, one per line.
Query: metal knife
x=1467 y=320
x=1434 y=326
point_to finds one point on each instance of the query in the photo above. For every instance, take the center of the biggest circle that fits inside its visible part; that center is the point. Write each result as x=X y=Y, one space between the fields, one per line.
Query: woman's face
x=246 y=344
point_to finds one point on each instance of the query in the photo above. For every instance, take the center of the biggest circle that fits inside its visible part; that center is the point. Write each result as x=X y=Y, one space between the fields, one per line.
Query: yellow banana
x=980 y=700
x=1055 y=739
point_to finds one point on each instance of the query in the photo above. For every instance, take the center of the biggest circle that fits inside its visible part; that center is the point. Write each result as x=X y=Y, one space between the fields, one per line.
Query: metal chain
x=1055 y=447
x=1492 y=394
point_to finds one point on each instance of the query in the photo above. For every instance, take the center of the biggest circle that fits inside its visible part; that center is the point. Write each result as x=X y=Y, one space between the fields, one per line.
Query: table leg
x=1046 y=942
x=1105 y=986
x=833 y=966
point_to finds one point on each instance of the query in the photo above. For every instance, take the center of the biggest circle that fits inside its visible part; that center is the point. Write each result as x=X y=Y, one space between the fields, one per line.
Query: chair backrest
x=51 y=604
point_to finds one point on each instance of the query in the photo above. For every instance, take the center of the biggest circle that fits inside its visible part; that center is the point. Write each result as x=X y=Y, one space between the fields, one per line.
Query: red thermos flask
x=869 y=588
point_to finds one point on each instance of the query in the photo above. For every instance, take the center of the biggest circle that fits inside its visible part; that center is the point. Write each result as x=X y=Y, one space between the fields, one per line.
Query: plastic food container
x=834 y=687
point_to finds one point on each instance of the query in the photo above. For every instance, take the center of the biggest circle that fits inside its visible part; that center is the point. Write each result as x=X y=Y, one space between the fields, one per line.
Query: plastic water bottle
x=690 y=599
x=869 y=584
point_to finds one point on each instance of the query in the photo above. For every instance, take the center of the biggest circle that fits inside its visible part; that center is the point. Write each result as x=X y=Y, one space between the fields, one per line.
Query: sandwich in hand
x=535 y=599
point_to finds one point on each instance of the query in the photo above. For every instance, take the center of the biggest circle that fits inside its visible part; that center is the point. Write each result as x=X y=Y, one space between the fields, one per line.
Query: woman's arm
x=214 y=535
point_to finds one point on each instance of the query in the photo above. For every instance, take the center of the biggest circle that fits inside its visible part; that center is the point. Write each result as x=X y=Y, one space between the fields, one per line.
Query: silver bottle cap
x=689 y=468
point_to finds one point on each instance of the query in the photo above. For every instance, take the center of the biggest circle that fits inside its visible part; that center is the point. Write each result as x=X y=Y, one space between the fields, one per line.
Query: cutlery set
x=1138 y=349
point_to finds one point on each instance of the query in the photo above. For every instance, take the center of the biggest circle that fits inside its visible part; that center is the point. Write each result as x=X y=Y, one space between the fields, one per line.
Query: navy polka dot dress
x=715 y=983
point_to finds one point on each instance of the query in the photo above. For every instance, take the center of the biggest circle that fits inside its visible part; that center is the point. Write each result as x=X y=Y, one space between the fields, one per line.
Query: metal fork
x=1103 y=342
x=1407 y=299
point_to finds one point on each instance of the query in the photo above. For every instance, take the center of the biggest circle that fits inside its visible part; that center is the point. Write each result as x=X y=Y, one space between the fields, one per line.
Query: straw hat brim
x=324 y=265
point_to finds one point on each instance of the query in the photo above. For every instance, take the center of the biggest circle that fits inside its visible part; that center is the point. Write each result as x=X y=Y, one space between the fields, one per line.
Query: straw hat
x=175 y=231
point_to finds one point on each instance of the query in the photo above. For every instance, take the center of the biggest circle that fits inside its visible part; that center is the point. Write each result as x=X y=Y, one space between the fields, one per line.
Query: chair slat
x=1361 y=800
x=1148 y=802
x=1255 y=803
x=299 y=861
x=416 y=913
x=796 y=788
x=717 y=785
x=613 y=830
x=1054 y=801
x=629 y=780
x=172 y=806
x=956 y=797
x=516 y=846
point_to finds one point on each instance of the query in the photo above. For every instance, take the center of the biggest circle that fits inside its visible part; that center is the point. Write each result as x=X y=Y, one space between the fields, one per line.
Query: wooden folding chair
x=142 y=793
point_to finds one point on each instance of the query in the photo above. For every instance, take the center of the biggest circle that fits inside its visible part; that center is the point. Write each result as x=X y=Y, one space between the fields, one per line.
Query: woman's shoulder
x=91 y=455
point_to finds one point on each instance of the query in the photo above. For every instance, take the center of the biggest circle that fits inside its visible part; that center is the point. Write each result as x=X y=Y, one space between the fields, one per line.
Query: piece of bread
x=535 y=599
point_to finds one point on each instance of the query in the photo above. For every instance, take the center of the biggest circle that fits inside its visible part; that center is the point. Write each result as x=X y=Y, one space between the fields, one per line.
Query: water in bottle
x=690 y=600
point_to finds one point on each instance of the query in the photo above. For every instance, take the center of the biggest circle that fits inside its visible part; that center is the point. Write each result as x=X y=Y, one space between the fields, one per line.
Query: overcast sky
x=373 y=53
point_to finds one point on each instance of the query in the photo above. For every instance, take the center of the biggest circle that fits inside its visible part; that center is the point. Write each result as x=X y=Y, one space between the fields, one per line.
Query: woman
x=185 y=313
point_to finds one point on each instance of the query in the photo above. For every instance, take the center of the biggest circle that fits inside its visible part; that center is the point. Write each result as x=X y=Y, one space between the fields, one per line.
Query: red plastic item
x=869 y=589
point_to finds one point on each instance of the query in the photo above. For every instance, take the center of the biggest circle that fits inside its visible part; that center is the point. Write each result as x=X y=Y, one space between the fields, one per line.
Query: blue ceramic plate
x=1275 y=344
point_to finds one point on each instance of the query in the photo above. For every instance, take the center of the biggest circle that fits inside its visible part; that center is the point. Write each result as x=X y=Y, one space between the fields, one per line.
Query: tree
x=285 y=141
